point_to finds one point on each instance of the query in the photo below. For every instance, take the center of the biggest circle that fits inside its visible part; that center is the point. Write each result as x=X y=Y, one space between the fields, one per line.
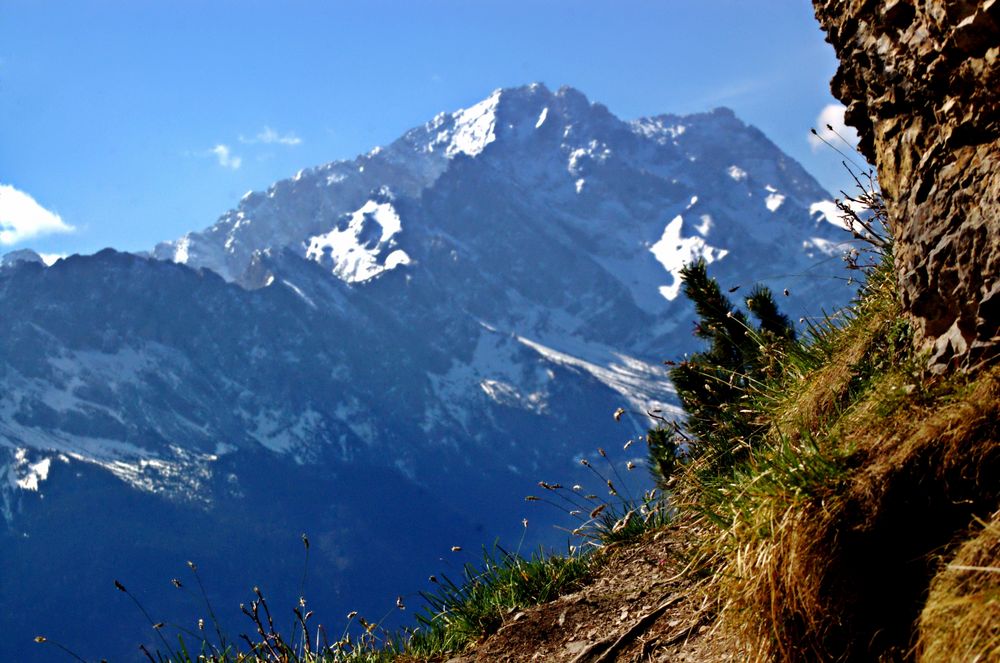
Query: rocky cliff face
x=921 y=80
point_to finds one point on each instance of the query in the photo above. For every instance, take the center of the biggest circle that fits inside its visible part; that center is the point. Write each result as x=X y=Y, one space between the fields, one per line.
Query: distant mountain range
x=386 y=353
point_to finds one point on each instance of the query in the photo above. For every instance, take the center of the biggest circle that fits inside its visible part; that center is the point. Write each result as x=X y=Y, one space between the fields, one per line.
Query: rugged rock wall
x=921 y=79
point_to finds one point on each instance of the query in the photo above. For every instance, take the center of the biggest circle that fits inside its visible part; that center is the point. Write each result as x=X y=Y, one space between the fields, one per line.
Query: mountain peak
x=474 y=127
x=19 y=257
x=567 y=155
x=572 y=95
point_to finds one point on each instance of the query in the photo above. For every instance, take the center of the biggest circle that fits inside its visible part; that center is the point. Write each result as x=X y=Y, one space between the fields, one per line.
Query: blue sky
x=135 y=121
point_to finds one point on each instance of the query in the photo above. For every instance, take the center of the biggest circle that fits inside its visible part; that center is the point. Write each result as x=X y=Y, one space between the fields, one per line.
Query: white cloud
x=269 y=136
x=830 y=123
x=226 y=158
x=21 y=217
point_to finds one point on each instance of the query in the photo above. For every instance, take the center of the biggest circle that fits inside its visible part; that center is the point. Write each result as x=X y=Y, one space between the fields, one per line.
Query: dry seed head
x=40 y=639
x=433 y=579
x=585 y=462
x=623 y=523
x=120 y=587
x=618 y=413
x=176 y=583
x=456 y=548
x=524 y=521
x=630 y=466
x=302 y=601
x=399 y=603
x=627 y=445
x=596 y=512
x=192 y=565
x=611 y=488
x=158 y=625
x=530 y=498
x=201 y=624
x=577 y=488
x=352 y=614
x=601 y=451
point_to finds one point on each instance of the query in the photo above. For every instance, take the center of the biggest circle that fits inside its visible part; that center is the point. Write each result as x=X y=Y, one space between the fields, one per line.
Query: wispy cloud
x=731 y=91
x=269 y=136
x=226 y=158
x=21 y=217
x=830 y=127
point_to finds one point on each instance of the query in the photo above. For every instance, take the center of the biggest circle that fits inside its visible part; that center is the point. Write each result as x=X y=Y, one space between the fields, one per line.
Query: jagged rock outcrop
x=922 y=82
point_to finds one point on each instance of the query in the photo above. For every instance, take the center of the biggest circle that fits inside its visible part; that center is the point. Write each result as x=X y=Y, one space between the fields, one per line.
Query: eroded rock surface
x=922 y=83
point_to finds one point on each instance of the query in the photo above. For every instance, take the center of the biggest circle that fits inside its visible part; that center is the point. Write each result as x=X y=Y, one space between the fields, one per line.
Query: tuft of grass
x=489 y=594
x=961 y=619
x=612 y=514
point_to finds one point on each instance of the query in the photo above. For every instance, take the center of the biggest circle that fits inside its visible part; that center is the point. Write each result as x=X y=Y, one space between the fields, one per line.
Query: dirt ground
x=638 y=608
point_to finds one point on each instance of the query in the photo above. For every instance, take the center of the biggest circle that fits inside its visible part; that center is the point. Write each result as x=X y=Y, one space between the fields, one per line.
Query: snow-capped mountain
x=440 y=322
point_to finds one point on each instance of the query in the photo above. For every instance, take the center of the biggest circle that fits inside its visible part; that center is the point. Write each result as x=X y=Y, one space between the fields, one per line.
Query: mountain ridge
x=522 y=308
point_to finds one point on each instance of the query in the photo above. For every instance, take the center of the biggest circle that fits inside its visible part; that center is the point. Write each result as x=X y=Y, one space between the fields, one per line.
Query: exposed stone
x=921 y=79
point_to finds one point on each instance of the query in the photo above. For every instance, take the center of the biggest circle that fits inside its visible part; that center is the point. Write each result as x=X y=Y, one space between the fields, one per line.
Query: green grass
x=459 y=613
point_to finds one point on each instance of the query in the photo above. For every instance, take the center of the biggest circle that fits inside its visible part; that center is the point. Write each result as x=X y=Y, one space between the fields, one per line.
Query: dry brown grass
x=816 y=399
x=833 y=526
x=961 y=619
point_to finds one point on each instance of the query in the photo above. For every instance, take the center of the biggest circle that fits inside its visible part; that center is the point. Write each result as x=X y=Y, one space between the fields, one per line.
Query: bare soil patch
x=640 y=606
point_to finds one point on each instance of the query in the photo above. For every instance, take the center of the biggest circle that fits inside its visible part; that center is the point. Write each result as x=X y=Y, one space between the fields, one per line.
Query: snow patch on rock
x=674 y=251
x=541 y=118
x=474 y=127
x=828 y=211
x=355 y=253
